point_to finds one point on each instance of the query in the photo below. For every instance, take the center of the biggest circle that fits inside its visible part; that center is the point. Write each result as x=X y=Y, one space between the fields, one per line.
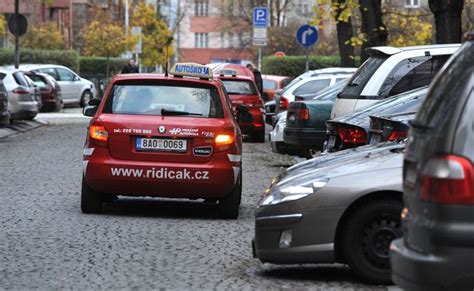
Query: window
x=239 y=87
x=201 y=39
x=269 y=85
x=20 y=79
x=50 y=71
x=412 y=3
x=202 y=8
x=312 y=86
x=231 y=39
x=412 y=73
x=65 y=75
x=145 y=99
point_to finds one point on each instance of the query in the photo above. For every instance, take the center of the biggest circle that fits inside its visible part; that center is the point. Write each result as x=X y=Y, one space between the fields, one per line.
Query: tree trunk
x=372 y=26
x=447 y=15
x=344 y=34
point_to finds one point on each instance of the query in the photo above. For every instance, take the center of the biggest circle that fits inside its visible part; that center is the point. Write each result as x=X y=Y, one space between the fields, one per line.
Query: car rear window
x=147 y=99
x=239 y=87
x=269 y=85
x=362 y=76
x=20 y=79
x=312 y=86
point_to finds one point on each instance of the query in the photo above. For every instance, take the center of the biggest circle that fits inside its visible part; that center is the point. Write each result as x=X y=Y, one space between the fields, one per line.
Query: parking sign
x=260 y=17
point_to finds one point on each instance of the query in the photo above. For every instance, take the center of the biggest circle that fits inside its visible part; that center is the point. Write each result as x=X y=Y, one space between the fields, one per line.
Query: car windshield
x=362 y=76
x=146 y=99
x=239 y=87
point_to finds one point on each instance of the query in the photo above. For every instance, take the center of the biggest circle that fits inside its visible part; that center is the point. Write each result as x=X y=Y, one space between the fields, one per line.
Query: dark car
x=437 y=249
x=390 y=127
x=4 y=110
x=49 y=91
x=351 y=130
x=306 y=120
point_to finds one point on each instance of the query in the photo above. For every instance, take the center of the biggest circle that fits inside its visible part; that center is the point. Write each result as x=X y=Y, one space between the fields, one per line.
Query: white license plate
x=161 y=144
x=331 y=141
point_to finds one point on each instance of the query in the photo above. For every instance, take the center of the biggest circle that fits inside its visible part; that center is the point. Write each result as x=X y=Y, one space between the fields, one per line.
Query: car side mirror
x=243 y=114
x=91 y=108
x=94 y=102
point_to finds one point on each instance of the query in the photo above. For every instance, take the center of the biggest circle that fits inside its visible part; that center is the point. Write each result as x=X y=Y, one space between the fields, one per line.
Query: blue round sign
x=307 y=35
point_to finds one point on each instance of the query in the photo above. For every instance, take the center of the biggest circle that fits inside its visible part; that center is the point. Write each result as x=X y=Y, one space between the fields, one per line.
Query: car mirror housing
x=90 y=110
x=94 y=102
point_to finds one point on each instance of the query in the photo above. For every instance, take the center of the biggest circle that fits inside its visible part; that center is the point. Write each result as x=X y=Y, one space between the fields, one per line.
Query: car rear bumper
x=25 y=114
x=417 y=271
x=304 y=137
x=176 y=180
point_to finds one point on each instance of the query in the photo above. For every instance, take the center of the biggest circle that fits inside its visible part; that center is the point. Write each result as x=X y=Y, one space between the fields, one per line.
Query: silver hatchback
x=21 y=95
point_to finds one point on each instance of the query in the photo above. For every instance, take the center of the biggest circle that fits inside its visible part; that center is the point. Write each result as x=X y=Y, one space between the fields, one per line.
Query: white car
x=276 y=135
x=390 y=71
x=74 y=89
x=310 y=83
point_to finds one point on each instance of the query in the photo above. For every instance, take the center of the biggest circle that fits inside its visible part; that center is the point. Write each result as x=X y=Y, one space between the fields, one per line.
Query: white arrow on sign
x=305 y=35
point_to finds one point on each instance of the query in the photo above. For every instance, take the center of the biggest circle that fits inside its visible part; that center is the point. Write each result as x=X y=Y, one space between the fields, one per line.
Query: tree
x=156 y=37
x=43 y=36
x=408 y=29
x=3 y=24
x=447 y=15
x=104 y=37
x=373 y=28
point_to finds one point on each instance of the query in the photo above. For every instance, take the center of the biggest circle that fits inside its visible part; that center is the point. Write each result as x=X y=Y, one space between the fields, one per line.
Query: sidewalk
x=18 y=126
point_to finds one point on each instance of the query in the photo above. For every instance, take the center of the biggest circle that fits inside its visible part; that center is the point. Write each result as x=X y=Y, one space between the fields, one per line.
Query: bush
x=97 y=66
x=68 y=58
x=294 y=66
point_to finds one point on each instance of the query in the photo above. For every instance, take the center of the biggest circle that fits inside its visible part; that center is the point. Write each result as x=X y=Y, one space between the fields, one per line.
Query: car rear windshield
x=239 y=87
x=151 y=99
x=20 y=79
x=269 y=85
x=362 y=76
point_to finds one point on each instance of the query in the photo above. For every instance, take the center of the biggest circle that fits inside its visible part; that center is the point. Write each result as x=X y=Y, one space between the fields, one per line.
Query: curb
x=19 y=126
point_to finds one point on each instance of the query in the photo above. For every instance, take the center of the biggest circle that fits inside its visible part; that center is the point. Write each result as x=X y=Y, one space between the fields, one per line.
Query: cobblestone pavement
x=46 y=242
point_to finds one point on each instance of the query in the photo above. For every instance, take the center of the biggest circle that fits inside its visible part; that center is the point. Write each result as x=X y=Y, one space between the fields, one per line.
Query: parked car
x=229 y=69
x=305 y=128
x=273 y=83
x=276 y=136
x=36 y=91
x=21 y=95
x=343 y=207
x=4 y=109
x=310 y=83
x=390 y=127
x=437 y=249
x=390 y=71
x=270 y=109
x=49 y=90
x=242 y=90
x=351 y=130
x=74 y=89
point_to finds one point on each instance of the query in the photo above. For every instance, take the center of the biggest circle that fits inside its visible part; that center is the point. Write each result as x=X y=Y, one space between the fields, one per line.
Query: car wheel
x=91 y=201
x=86 y=96
x=278 y=147
x=259 y=136
x=229 y=205
x=367 y=236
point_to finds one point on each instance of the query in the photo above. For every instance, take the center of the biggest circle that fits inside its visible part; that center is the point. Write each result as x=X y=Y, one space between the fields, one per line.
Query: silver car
x=74 y=89
x=342 y=207
x=21 y=95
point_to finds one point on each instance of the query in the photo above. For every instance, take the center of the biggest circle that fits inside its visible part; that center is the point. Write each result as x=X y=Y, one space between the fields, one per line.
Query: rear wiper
x=166 y=112
x=353 y=84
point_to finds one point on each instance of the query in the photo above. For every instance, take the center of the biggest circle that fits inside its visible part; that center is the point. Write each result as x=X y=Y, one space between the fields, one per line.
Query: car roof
x=40 y=66
x=154 y=76
x=274 y=77
x=328 y=71
x=389 y=50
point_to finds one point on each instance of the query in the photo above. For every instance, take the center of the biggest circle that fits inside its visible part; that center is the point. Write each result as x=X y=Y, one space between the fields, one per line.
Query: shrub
x=68 y=58
x=96 y=66
x=294 y=66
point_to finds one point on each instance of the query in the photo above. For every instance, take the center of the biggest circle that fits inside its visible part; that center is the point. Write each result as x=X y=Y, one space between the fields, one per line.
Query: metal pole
x=17 y=32
x=259 y=58
x=126 y=18
x=307 y=60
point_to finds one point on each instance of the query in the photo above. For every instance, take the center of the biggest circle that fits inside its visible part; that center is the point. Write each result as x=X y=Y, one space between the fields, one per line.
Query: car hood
x=366 y=158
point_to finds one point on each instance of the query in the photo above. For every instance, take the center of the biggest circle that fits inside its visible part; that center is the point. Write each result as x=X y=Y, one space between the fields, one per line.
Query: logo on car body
x=162 y=129
x=202 y=151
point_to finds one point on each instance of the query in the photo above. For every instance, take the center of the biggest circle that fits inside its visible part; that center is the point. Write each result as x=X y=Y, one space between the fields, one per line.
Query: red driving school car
x=166 y=136
x=242 y=90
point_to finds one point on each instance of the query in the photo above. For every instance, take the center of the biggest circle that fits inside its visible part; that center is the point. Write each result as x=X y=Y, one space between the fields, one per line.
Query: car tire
x=91 y=201
x=86 y=96
x=366 y=239
x=259 y=136
x=229 y=205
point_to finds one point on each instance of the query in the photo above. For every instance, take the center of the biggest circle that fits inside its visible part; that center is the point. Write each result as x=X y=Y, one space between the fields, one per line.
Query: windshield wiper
x=166 y=112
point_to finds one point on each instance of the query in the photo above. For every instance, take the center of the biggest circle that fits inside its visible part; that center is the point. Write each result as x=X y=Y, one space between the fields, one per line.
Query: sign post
x=260 y=24
x=18 y=25
x=137 y=31
x=307 y=36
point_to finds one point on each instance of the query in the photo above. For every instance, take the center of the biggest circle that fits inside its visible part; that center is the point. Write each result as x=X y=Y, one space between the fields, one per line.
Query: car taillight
x=283 y=104
x=352 y=135
x=302 y=114
x=397 y=135
x=97 y=134
x=225 y=139
x=20 y=91
x=448 y=179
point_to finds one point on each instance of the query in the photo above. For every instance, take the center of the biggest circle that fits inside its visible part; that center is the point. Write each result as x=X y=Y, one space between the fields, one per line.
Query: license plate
x=161 y=144
x=331 y=141
x=375 y=139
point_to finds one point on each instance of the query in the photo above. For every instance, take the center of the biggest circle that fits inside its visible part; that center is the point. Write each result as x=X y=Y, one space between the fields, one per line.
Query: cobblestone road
x=46 y=242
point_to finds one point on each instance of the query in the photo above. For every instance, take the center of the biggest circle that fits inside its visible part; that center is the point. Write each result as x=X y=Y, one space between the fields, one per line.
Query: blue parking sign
x=260 y=17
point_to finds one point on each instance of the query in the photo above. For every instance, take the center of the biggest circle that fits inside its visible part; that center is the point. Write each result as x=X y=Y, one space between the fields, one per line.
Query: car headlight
x=292 y=192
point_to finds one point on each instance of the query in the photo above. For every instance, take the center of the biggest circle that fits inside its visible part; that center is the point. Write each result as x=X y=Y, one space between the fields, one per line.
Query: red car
x=242 y=90
x=49 y=90
x=164 y=136
x=273 y=83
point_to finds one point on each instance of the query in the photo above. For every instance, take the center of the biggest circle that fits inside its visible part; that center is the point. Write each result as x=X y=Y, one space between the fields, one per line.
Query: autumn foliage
x=43 y=36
